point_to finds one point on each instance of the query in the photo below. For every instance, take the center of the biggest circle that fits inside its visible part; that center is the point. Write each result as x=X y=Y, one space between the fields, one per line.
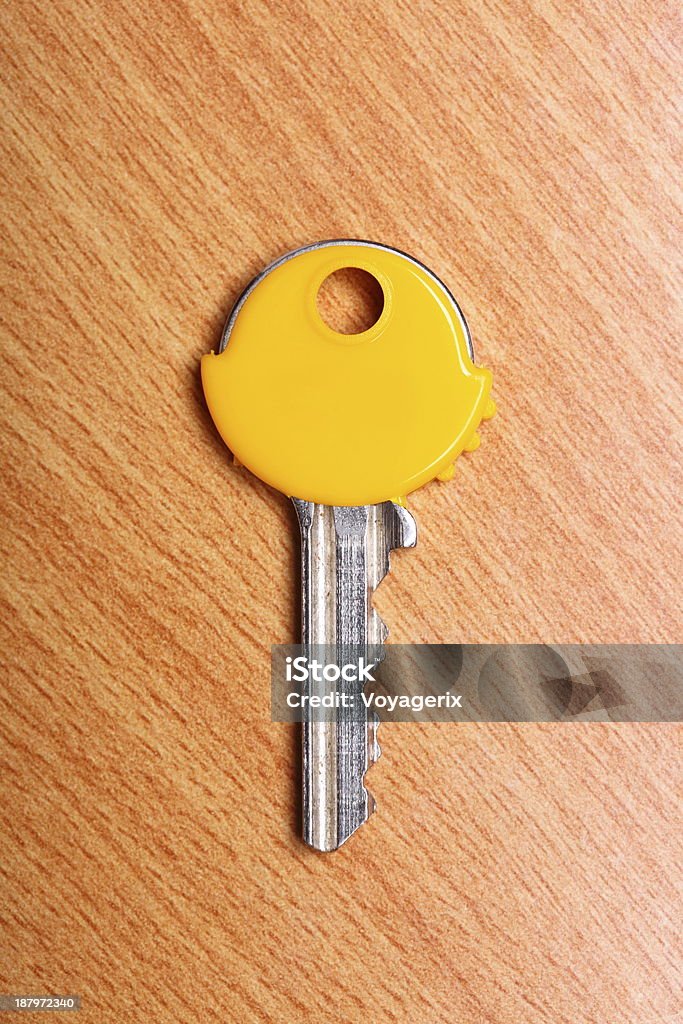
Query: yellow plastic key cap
x=346 y=419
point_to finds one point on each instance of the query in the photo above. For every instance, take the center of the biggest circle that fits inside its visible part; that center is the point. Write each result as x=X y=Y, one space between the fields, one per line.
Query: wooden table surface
x=156 y=156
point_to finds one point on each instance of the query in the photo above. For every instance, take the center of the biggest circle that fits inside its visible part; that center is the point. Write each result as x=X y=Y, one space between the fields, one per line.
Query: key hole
x=350 y=300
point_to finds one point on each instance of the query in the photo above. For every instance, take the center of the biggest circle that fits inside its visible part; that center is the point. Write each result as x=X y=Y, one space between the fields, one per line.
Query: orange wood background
x=155 y=157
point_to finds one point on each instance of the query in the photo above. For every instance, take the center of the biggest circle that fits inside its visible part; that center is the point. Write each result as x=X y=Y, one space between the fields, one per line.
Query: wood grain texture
x=156 y=156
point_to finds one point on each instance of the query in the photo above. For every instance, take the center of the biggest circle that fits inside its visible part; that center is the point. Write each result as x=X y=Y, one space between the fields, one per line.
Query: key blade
x=344 y=556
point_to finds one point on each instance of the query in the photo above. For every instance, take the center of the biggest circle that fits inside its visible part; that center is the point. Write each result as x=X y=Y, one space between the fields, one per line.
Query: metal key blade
x=344 y=557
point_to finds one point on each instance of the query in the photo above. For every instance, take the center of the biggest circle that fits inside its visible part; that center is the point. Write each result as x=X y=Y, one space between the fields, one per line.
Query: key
x=347 y=426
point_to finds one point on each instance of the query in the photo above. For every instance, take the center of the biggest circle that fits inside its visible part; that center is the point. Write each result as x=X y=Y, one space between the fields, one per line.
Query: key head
x=346 y=419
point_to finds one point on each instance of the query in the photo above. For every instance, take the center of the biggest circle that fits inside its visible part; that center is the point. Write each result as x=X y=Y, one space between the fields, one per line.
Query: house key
x=347 y=426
